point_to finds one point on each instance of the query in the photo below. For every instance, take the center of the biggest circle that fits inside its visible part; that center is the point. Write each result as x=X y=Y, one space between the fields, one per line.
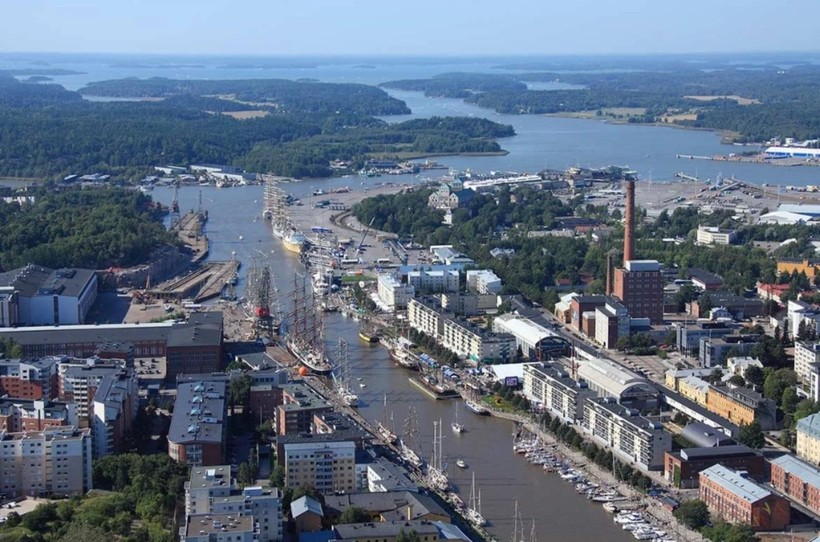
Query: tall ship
x=305 y=337
x=399 y=351
x=408 y=440
x=341 y=376
x=261 y=299
x=473 y=512
x=276 y=209
x=385 y=429
x=435 y=471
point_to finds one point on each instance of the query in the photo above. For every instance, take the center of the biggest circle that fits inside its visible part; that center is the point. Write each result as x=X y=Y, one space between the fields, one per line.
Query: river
x=503 y=477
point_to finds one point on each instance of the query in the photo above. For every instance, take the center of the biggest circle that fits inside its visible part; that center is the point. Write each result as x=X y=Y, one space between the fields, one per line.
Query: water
x=486 y=446
x=541 y=142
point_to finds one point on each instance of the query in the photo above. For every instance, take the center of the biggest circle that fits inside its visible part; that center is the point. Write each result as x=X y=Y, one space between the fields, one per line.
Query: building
x=739 y=365
x=536 y=342
x=789 y=265
x=584 y=304
x=740 y=307
x=639 y=286
x=447 y=255
x=389 y=506
x=300 y=403
x=262 y=504
x=800 y=313
x=631 y=437
x=383 y=475
x=469 y=304
x=695 y=389
x=392 y=292
x=21 y=415
x=30 y=378
x=475 y=343
x=798 y=481
x=307 y=514
x=384 y=531
x=9 y=307
x=115 y=407
x=716 y=351
x=433 y=281
x=219 y=528
x=608 y=379
x=51 y=296
x=682 y=467
x=195 y=347
x=673 y=377
x=326 y=462
x=805 y=354
x=552 y=388
x=701 y=435
x=425 y=315
x=736 y=499
x=563 y=309
x=54 y=461
x=611 y=323
x=808 y=439
x=708 y=235
x=704 y=280
x=79 y=381
x=483 y=281
x=205 y=485
x=688 y=336
x=198 y=435
x=448 y=198
x=741 y=406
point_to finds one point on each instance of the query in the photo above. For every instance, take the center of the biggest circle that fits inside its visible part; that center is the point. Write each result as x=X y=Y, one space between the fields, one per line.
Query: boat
x=461 y=464
x=368 y=337
x=455 y=425
x=310 y=357
x=294 y=241
x=435 y=472
x=399 y=351
x=304 y=339
x=342 y=376
x=476 y=407
x=276 y=202
x=411 y=431
x=362 y=385
x=383 y=428
x=473 y=512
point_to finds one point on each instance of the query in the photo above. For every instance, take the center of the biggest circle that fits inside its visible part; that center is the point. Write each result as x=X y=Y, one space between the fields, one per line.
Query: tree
x=789 y=400
x=726 y=532
x=354 y=514
x=752 y=436
x=244 y=475
x=277 y=476
x=240 y=391
x=737 y=380
x=754 y=375
x=694 y=514
x=84 y=532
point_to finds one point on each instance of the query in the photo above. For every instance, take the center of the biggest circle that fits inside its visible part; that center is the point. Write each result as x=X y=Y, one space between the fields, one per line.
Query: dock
x=190 y=230
x=205 y=282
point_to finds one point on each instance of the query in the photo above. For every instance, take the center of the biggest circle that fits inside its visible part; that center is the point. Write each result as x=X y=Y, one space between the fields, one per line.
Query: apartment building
x=326 y=462
x=736 y=499
x=475 y=343
x=434 y=281
x=708 y=235
x=552 y=388
x=805 y=354
x=808 y=439
x=300 y=403
x=630 y=436
x=54 y=461
x=483 y=281
x=198 y=435
x=19 y=415
x=798 y=480
x=30 y=378
x=695 y=389
x=219 y=528
x=114 y=410
x=392 y=292
x=425 y=315
x=741 y=406
x=79 y=380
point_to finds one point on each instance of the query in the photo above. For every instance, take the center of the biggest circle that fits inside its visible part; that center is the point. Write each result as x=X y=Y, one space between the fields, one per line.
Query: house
x=307 y=514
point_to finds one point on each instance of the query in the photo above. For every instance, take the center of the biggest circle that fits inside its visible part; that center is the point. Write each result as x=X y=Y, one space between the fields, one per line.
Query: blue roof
x=810 y=425
x=305 y=504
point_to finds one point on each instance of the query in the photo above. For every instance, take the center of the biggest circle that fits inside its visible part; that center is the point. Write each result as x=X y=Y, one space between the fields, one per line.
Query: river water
x=503 y=477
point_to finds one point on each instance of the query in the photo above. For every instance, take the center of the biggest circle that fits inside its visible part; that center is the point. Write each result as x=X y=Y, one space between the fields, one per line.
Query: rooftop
x=628 y=415
x=305 y=504
x=810 y=426
x=732 y=450
x=202 y=329
x=33 y=280
x=356 y=531
x=201 y=524
x=734 y=483
x=523 y=328
x=800 y=469
x=608 y=375
x=199 y=413
x=215 y=476
x=388 y=504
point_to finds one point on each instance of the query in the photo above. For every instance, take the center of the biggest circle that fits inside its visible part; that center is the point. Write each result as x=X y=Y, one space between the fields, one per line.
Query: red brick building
x=639 y=286
x=198 y=433
x=30 y=378
x=21 y=415
x=740 y=500
x=798 y=480
x=682 y=467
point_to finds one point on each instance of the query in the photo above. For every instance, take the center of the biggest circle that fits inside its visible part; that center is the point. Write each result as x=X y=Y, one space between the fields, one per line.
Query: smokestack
x=629 y=230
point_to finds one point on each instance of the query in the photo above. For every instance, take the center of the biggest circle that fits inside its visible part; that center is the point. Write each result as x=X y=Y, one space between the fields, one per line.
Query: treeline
x=539 y=102
x=80 y=228
x=458 y=85
x=306 y=126
x=145 y=492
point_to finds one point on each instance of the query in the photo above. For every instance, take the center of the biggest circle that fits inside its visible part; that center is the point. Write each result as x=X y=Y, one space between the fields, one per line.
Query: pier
x=205 y=282
x=190 y=230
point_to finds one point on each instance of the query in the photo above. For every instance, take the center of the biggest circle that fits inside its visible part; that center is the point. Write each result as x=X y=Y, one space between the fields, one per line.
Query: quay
x=203 y=283
x=190 y=230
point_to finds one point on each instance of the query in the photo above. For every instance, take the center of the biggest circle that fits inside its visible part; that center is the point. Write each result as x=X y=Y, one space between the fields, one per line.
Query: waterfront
x=559 y=512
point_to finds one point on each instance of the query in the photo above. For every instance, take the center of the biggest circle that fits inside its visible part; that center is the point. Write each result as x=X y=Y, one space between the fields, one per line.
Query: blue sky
x=410 y=27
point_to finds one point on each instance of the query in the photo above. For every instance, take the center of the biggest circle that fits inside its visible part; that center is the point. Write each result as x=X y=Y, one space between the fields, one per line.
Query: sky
x=406 y=28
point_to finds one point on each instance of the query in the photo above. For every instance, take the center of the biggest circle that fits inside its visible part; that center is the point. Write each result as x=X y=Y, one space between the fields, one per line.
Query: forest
x=80 y=228
x=50 y=132
x=775 y=101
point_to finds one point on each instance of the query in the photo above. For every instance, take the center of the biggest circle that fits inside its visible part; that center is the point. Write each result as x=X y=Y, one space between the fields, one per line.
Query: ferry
x=476 y=407
x=368 y=337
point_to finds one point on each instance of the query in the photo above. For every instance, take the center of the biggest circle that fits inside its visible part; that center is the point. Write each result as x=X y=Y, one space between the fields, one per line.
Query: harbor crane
x=364 y=235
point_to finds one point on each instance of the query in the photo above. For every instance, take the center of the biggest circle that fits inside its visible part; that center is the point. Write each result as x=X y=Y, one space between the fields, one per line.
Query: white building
x=739 y=365
x=483 y=281
x=78 y=381
x=329 y=466
x=800 y=311
x=474 y=343
x=435 y=281
x=219 y=528
x=446 y=254
x=55 y=461
x=708 y=235
x=392 y=292
x=805 y=355
x=608 y=379
x=631 y=437
x=426 y=316
x=47 y=296
x=553 y=389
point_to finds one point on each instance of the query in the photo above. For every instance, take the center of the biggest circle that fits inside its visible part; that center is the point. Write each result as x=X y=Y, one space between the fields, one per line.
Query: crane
x=364 y=235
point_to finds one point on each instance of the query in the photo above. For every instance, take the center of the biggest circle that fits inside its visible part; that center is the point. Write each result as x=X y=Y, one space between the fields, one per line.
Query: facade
x=195 y=348
x=198 y=435
x=789 y=265
x=798 y=480
x=582 y=304
x=9 y=307
x=426 y=316
x=21 y=415
x=536 y=342
x=56 y=460
x=556 y=392
x=688 y=336
x=392 y=292
x=474 y=343
x=808 y=439
x=740 y=307
x=708 y=235
x=741 y=406
x=739 y=500
x=469 y=304
x=801 y=313
x=715 y=351
x=435 y=281
x=682 y=468
x=631 y=437
x=30 y=378
x=483 y=281
x=695 y=389
x=326 y=464
x=805 y=354
x=673 y=377
x=51 y=296
x=300 y=403
x=80 y=379
x=114 y=410
x=639 y=286
x=611 y=323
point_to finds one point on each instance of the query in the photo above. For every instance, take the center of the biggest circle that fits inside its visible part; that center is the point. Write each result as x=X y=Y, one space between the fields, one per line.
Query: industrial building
x=682 y=467
x=608 y=379
x=611 y=323
x=37 y=296
x=736 y=499
x=798 y=480
x=536 y=342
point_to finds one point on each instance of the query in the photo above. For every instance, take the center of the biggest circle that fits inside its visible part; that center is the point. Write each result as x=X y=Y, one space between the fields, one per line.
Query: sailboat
x=384 y=430
x=474 y=508
x=435 y=472
x=342 y=377
x=518 y=526
x=411 y=430
x=457 y=427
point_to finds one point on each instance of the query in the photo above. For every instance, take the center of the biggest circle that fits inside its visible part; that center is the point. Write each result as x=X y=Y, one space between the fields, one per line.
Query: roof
x=604 y=374
x=76 y=334
x=704 y=276
x=799 y=208
x=784 y=217
x=356 y=531
x=734 y=483
x=448 y=531
x=306 y=504
x=33 y=280
x=213 y=476
x=810 y=426
x=202 y=329
x=387 y=504
x=522 y=328
x=199 y=413
x=799 y=469
x=703 y=436
x=218 y=523
x=627 y=415
x=731 y=450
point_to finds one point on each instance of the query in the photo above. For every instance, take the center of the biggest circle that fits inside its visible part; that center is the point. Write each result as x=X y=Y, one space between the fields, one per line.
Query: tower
x=629 y=223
